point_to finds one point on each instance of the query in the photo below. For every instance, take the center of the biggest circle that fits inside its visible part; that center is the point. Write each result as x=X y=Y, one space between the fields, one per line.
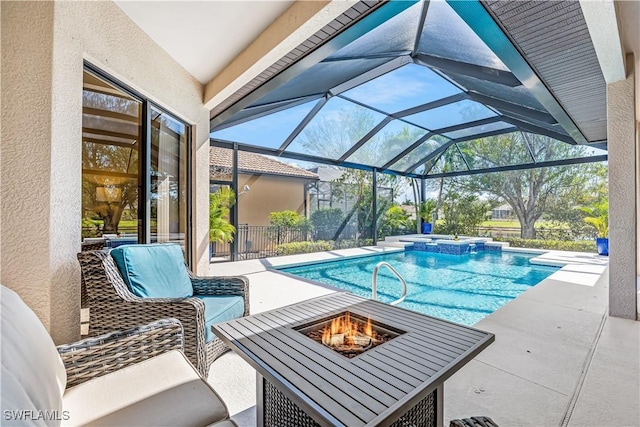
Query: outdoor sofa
x=136 y=284
x=136 y=377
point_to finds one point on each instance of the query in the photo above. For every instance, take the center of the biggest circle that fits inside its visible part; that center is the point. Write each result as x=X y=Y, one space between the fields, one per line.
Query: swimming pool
x=463 y=289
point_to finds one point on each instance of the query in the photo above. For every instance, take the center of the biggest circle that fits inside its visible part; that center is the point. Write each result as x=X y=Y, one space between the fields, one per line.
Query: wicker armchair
x=89 y=246
x=95 y=245
x=113 y=307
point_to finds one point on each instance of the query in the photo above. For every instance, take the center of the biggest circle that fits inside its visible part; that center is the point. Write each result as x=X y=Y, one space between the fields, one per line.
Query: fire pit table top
x=371 y=389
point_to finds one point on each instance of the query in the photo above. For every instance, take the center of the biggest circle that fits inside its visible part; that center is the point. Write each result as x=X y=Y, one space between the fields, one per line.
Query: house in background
x=502 y=212
x=265 y=185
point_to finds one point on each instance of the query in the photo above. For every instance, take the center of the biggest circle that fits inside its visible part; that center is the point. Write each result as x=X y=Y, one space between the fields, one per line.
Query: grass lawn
x=501 y=223
x=508 y=223
x=122 y=223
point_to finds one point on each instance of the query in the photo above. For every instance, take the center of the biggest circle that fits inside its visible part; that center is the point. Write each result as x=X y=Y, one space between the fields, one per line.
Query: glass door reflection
x=168 y=180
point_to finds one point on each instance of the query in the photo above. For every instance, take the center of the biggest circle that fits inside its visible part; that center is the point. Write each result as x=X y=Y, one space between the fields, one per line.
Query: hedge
x=559 y=245
x=350 y=243
x=303 y=247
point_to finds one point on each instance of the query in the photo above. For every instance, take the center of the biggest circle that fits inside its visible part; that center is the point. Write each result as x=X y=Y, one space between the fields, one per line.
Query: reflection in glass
x=546 y=149
x=267 y=131
x=446 y=35
x=516 y=95
x=418 y=153
x=111 y=125
x=478 y=130
x=451 y=115
x=406 y=87
x=425 y=167
x=449 y=161
x=496 y=151
x=386 y=144
x=321 y=78
x=395 y=35
x=168 y=216
x=334 y=130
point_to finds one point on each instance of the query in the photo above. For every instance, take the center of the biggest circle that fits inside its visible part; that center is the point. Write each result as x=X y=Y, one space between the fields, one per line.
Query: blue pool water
x=463 y=289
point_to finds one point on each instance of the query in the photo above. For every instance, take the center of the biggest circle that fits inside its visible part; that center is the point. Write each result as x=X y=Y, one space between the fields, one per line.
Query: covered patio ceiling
x=427 y=89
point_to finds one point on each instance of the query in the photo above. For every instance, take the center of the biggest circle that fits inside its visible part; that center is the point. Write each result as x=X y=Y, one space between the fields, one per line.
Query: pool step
x=392 y=244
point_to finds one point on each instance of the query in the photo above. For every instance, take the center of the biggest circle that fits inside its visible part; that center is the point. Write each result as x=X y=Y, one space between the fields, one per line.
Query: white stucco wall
x=43 y=46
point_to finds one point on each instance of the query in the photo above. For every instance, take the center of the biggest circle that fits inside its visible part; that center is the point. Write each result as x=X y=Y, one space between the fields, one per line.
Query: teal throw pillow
x=154 y=271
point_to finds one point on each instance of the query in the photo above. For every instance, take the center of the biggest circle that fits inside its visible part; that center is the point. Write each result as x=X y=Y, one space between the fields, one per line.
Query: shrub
x=559 y=245
x=288 y=219
x=303 y=247
x=395 y=218
x=90 y=228
x=352 y=243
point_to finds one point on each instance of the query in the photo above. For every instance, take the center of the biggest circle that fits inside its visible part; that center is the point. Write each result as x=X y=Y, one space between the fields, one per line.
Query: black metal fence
x=257 y=241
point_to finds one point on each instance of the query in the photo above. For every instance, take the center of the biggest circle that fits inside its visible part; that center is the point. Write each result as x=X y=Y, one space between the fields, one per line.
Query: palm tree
x=598 y=217
x=220 y=203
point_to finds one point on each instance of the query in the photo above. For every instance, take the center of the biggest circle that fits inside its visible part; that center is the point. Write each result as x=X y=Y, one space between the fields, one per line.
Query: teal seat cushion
x=154 y=271
x=220 y=309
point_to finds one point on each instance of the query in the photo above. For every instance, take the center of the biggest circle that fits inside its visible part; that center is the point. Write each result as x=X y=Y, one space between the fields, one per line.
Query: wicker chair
x=84 y=247
x=112 y=379
x=113 y=307
x=95 y=245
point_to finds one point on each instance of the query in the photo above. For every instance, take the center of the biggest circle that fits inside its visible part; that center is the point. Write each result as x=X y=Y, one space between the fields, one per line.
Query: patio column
x=623 y=255
x=374 y=221
x=423 y=198
x=234 y=209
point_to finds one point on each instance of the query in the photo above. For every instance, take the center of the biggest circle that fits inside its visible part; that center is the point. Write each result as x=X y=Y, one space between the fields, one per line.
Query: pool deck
x=558 y=359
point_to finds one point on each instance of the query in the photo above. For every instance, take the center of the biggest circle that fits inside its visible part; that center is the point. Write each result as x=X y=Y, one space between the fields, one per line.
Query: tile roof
x=255 y=163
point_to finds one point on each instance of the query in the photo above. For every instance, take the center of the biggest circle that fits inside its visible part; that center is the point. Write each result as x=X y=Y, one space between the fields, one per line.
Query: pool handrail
x=374 y=282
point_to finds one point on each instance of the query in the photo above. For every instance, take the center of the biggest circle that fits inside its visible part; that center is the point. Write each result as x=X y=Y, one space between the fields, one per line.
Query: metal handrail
x=374 y=282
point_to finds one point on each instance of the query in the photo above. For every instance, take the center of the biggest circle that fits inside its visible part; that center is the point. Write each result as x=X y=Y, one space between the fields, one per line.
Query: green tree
x=333 y=135
x=463 y=213
x=220 y=203
x=562 y=220
x=528 y=192
x=357 y=185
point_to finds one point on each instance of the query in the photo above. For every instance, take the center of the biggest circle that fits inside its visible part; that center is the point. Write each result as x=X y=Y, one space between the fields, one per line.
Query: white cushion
x=225 y=423
x=33 y=375
x=162 y=391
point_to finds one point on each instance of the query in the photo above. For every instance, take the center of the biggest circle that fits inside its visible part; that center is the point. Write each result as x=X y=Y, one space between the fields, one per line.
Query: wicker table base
x=276 y=409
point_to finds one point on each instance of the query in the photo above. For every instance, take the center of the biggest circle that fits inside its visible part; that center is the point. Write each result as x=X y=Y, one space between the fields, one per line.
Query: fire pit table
x=342 y=360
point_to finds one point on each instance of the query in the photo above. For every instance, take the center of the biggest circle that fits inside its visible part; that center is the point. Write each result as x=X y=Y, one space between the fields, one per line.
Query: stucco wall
x=25 y=250
x=43 y=46
x=268 y=194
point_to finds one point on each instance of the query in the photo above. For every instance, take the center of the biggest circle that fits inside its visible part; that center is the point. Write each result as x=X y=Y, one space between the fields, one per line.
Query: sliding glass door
x=168 y=179
x=135 y=167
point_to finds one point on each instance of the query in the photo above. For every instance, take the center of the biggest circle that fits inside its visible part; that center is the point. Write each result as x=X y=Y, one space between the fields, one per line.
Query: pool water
x=462 y=289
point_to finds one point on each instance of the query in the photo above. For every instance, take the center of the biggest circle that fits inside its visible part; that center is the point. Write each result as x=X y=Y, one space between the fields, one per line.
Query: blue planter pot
x=602 y=245
x=427 y=227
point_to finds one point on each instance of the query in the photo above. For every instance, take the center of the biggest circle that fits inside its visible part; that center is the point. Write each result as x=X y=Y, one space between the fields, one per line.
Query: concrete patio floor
x=558 y=359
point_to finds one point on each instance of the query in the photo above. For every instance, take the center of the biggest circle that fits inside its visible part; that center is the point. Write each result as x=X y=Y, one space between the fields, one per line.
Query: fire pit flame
x=343 y=332
x=348 y=334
